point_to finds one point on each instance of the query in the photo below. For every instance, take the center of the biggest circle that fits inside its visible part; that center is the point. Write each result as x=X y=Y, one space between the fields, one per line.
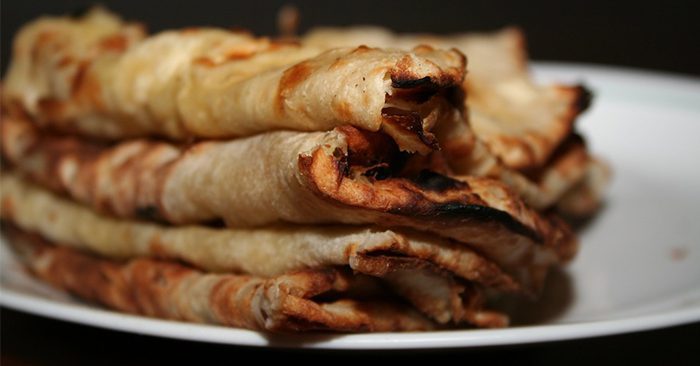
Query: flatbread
x=216 y=83
x=341 y=176
x=521 y=122
x=585 y=198
x=157 y=288
x=436 y=275
x=466 y=155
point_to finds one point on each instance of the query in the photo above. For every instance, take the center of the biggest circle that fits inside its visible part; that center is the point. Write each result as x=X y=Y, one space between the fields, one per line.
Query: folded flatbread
x=341 y=176
x=324 y=299
x=465 y=154
x=215 y=83
x=441 y=278
x=514 y=125
x=521 y=122
x=586 y=197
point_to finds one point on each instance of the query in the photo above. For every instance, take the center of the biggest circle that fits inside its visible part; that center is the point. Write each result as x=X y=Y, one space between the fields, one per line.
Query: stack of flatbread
x=349 y=180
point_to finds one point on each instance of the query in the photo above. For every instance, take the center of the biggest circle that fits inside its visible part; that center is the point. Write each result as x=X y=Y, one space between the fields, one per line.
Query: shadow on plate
x=556 y=298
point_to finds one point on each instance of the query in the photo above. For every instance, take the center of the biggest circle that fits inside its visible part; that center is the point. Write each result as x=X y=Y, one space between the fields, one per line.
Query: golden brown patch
x=8 y=207
x=157 y=249
x=190 y=31
x=44 y=38
x=338 y=63
x=228 y=303
x=342 y=110
x=350 y=250
x=204 y=61
x=361 y=49
x=115 y=43
x=79 y=78
x=52 y=109
x=291 y=78
x=423 y=48
x=238 y=53
x=86 y=88
x=65 y=61
x=278 y=43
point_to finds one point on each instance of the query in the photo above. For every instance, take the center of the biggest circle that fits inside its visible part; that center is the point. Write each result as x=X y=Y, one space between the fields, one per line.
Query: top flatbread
x=208 y=82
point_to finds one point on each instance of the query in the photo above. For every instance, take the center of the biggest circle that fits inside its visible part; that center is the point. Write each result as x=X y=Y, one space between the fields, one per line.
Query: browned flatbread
x=341 y=176
x=521 y=123
x=157 y=288
x=215 y=83
x=439 y=277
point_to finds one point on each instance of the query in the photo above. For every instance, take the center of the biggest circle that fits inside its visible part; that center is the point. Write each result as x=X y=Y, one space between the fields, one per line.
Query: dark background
x=660 y=35
x=650 y=35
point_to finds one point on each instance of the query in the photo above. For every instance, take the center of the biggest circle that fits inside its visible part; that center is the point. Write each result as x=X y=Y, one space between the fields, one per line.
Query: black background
x=651 y=35
x=661 y=35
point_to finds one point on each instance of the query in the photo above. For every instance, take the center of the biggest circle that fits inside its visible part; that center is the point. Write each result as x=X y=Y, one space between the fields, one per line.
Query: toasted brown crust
x=169 y=290
x=405 y=76
x=405 y=198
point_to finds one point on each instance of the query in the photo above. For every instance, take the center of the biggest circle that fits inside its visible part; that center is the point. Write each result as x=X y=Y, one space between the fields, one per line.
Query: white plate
x=639 y=265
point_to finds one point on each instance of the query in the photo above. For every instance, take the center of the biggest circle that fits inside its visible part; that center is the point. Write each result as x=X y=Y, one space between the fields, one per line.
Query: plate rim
x=107 y=319
x=85 y=314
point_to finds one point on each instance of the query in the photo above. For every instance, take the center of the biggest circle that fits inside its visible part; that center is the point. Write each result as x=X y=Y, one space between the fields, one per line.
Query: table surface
x=619 y=33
